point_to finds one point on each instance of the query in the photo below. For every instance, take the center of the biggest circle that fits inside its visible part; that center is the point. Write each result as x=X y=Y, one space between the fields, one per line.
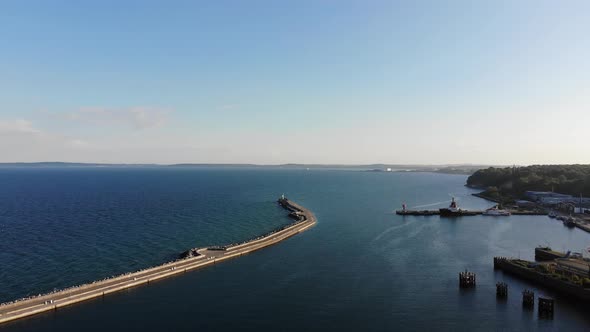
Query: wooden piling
x=501 y=290
x=466 y=279
x=546 y=307
x=528 y=299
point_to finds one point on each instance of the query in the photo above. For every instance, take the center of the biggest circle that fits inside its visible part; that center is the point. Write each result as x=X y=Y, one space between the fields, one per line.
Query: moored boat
x=496 y=211
x=454 y=211
x=569 y=222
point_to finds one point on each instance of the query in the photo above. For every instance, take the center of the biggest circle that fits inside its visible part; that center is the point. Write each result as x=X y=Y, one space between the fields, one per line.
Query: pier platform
x=562 y=275
x=547 y=254
x=466 y=213
x=435 y=213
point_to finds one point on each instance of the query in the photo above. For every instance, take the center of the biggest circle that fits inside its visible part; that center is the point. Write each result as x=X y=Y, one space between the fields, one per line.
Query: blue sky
x=499 y=82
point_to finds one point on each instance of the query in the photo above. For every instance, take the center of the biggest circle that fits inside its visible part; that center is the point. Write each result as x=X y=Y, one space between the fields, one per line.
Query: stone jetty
x=193 y=259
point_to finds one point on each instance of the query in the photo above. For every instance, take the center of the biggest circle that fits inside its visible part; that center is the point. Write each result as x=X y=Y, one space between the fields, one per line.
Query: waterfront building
x=553 y=199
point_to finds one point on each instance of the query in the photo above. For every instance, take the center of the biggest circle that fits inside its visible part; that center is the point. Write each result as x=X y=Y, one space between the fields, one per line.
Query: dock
x=466 y=213
x=199 y=257
x=454 y=211
x=563 y=275
x=435 y=213
x=583 y=226
x=547 y=254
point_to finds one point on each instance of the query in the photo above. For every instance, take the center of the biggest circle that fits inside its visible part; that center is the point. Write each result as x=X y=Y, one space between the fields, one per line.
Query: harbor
x=195 y=258
x=566 y=273
x=356 y=248
x=473 y=213
x=454 y=211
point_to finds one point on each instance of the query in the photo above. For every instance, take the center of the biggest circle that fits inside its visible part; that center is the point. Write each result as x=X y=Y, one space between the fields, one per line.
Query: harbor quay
x=464 y=213
x=454 y=211
x=566 y=273
x=201 y=257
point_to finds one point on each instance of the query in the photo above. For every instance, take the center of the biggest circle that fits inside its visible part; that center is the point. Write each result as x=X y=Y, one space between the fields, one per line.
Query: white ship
x=495 y=211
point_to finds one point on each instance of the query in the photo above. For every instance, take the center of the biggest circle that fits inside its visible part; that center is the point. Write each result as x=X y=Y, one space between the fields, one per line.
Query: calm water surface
x=361 y=268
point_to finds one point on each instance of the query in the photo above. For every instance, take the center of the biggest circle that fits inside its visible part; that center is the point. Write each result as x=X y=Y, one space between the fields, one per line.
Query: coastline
x=487 y=198
x=206 y=256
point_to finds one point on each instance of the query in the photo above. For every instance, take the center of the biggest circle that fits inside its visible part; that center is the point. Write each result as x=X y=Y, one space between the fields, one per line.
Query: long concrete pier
x=465 y=213
x=206 y=256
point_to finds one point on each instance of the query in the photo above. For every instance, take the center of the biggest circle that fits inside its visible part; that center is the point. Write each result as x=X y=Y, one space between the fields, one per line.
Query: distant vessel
x=569 y=222
x=452 y=210
x=495 y=211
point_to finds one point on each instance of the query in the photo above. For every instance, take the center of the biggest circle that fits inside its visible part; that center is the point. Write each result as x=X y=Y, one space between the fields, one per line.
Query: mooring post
x=501 y=290
x=528 y=299
x=466 y=279
x=546 y=307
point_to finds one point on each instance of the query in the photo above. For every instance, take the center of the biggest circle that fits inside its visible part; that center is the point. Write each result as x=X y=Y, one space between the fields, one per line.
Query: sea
x=361 y=268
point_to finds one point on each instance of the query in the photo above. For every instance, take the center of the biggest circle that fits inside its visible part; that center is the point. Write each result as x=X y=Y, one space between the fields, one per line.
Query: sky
x=272 y=82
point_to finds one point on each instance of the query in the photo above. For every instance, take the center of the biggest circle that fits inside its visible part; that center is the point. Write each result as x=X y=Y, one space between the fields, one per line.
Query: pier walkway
x=34 y=305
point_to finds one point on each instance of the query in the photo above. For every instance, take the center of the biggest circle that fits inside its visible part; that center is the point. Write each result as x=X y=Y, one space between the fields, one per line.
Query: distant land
x=467 y=169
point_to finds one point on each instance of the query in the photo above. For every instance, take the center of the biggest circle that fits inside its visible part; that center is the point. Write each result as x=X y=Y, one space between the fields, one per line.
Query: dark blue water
x=361 y=268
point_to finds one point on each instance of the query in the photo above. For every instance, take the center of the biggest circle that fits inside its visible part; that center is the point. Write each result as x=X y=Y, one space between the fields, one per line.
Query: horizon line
x=66 y=163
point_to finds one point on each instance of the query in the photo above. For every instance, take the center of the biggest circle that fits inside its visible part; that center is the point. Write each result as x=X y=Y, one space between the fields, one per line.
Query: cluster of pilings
x=466 y=279
x=528 y=299
x=546 y=307
x=502 y=290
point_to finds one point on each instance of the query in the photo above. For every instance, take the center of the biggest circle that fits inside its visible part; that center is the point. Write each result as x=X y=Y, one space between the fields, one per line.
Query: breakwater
x=198 y=257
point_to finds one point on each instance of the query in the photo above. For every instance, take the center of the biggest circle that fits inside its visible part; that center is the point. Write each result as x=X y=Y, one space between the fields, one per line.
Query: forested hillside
x=514 y=181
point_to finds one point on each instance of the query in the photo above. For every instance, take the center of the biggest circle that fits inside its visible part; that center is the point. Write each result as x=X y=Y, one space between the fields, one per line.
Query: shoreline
x=487 y=198
x=22 y=308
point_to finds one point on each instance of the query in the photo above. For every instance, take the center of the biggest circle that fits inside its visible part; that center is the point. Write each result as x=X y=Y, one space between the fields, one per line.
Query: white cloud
x=20 y=140
x=78 y=143
x=134 y=117
x=18 y=126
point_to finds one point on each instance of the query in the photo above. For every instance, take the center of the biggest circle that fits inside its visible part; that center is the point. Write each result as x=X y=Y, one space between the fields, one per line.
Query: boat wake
x=456 y=197
x=431 y=204
x=390 y=229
